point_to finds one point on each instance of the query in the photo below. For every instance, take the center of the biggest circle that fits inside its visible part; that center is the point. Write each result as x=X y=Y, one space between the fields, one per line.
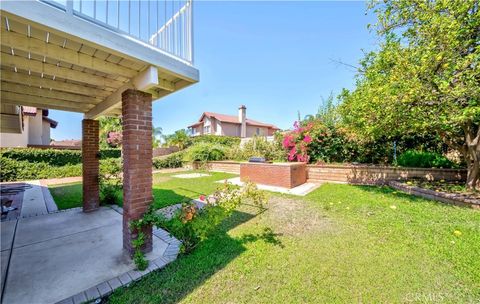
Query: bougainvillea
x=114 y=139
x=297 y=141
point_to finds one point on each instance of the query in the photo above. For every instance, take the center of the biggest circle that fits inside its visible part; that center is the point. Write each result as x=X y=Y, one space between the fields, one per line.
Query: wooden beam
x=39 y=105
x=44 y=102
x=109 y=103
x=39 y=47
x=144 y=81
x=44 y=92
x=57 y=85
x=51 y=69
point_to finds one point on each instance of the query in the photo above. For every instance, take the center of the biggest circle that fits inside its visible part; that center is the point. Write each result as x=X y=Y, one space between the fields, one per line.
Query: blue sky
x=277 y=58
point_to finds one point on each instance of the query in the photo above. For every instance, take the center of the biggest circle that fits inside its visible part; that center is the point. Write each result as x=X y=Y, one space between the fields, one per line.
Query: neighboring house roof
x=233 y=119
x=53 y=123
x=32 y=111
x=67 y=142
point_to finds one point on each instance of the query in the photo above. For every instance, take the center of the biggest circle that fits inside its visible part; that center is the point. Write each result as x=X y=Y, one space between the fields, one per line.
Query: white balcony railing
x=164 y=24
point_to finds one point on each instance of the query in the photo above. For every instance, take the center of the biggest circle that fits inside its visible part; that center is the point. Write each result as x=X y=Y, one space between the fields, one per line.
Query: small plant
x=192 y=225
x=110 y=181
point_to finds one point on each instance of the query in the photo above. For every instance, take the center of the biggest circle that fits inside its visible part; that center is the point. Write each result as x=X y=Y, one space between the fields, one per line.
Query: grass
x=167 y=190
x=340 y=244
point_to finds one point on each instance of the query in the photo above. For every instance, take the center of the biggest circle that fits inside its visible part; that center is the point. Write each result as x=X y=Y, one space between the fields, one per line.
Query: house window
x=258 y=131
x=206 y=129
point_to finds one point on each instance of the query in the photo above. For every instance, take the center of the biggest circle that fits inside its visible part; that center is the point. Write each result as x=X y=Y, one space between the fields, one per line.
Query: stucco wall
x=252 y=131
x=229 y=129
x=45 y=132
x=11 y=140
x=35 y=129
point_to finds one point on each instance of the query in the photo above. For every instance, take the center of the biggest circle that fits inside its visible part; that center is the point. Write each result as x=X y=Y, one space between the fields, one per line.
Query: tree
x=178 y=139
x=425 y=77
x=327 y=112
x=157 y=133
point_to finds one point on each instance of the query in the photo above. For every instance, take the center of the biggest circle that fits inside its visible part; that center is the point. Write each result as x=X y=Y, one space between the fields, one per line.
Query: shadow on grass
x=188 y=272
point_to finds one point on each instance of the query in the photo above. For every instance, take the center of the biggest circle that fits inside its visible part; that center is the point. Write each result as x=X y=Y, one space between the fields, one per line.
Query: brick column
x=90 y=165
x=137 y=163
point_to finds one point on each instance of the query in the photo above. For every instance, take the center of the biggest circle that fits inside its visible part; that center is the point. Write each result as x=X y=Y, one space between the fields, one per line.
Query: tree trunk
x=473 y=175
x=472 y=155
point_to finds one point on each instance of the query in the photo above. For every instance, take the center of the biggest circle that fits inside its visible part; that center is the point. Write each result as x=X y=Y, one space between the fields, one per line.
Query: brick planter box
x=287 y=175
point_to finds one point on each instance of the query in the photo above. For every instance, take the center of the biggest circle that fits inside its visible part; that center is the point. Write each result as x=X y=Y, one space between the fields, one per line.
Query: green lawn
x=340 y=244
x=167 y=190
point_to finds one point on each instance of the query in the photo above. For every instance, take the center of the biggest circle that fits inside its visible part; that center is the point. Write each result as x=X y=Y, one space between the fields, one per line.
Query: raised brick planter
x=287 y=175
x=444 y=197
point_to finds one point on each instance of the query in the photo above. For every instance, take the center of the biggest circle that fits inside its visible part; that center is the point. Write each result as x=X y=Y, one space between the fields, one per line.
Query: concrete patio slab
x=301 y=190
x=71 y=255
x=5 y=256
x=8 y=230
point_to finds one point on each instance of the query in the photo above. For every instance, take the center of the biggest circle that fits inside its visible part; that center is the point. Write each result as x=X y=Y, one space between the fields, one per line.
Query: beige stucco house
x=24 y=126
x=230 y=125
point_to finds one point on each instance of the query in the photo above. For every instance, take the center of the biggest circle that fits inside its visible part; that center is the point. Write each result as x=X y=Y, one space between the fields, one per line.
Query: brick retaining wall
x=358 y=174
x=363 y=174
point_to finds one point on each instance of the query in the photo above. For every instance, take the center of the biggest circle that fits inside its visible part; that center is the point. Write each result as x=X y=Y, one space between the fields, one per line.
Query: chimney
x=242 y=118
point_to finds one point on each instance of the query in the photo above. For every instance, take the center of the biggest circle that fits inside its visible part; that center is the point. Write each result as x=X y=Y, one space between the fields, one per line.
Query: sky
x=277 y=58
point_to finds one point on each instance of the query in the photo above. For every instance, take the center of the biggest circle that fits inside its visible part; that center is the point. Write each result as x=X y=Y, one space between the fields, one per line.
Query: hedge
x=14 y=170
x=53 y=157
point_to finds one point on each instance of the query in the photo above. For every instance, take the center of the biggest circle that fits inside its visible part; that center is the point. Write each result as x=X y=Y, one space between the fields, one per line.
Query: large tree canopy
x=425 y=77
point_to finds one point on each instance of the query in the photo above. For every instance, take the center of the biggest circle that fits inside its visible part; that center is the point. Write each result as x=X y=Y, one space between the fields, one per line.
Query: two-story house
x=231 y=125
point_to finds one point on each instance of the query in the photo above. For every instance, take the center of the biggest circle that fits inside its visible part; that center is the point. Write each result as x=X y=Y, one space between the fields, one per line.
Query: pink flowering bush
x=114 y=139
x=296 y=142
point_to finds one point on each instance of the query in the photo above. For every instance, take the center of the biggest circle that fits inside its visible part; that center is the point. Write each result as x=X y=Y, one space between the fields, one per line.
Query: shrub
x=14 y=170
x=174 y=160
x=110 y=153
x=215 y=139
x=204 y=152
x=192 y=225
x=257 y=147
x=110 y=181
x=412 y=158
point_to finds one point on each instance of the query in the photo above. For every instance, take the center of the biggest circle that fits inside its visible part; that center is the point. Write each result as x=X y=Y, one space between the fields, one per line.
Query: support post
x=90 y=165
x=137 y=164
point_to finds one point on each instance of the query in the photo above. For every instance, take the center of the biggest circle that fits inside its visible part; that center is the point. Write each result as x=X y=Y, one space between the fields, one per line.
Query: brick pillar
x=90 y=167
x=137 y=163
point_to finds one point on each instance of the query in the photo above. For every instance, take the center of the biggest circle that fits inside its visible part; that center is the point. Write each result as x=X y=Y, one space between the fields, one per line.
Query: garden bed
x=446 y=192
